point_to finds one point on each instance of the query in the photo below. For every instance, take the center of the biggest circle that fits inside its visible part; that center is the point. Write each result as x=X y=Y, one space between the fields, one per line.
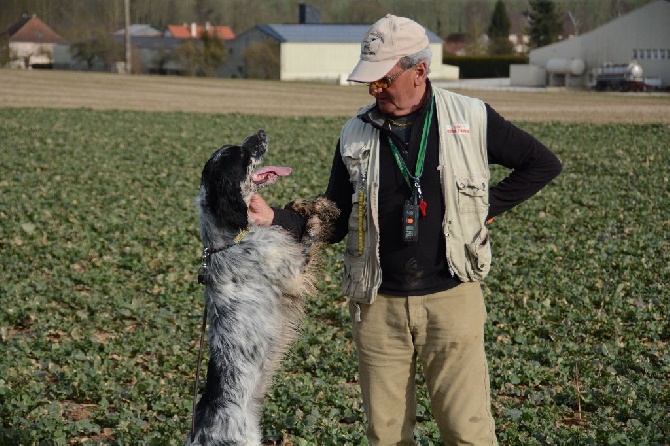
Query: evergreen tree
x=499 y=30
x=545 y=23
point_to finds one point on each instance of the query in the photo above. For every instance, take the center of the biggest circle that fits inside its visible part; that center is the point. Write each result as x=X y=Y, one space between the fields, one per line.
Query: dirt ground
x=70 y=89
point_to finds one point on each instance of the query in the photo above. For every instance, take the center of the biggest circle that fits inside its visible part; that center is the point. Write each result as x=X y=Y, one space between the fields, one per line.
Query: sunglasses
x=385 y=82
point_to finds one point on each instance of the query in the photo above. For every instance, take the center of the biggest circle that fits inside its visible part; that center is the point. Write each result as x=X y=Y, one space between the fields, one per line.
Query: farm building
x=30 y=42
x=310 y=51
x=139 y=30
x=642 y=37
x=306 y=51
x=149 y=50
x=195 y=31
x=153 y=50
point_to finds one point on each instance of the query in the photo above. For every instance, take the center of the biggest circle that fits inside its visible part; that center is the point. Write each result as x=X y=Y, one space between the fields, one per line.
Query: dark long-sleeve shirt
x=421 y=267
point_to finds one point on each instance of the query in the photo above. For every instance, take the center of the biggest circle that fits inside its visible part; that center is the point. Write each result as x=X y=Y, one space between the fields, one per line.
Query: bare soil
x=71 y=89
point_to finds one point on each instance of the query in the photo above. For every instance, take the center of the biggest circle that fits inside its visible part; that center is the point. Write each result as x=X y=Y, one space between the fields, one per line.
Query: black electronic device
x=410 y=221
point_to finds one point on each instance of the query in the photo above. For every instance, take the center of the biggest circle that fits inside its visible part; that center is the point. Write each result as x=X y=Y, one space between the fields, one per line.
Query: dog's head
x=229 y=179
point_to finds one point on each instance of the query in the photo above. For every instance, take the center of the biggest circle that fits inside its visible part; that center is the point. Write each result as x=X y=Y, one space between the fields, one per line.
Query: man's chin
x=385 y=107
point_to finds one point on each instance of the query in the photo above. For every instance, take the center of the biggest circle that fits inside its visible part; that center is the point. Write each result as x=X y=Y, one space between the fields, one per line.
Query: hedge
x=476 y=67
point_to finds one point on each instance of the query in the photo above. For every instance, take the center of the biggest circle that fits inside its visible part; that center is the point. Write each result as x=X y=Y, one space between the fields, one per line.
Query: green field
x=101 y=311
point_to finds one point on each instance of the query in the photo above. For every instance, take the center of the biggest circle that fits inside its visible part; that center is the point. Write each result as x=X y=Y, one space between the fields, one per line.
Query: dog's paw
x=320 y=214
x=320 y=207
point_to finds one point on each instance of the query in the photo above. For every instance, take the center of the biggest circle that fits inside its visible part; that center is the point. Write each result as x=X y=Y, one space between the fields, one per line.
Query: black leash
x=197 y=371
x=202 y=279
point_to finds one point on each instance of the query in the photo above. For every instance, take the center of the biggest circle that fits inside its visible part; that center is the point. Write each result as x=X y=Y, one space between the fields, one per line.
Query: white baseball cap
x=385 y=43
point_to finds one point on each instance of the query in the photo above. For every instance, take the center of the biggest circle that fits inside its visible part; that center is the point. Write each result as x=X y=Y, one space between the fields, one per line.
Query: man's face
x=404 y=92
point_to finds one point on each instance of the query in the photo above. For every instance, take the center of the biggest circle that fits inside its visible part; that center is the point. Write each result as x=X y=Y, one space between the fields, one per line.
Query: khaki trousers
x=446 y=332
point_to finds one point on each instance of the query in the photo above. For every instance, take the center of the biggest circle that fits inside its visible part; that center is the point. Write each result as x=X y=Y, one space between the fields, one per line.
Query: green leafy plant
x=101 y=309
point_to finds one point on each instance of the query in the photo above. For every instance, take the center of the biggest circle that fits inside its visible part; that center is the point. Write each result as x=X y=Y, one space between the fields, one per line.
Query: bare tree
x=101 y=47
x=261 y=60
x=202 y=57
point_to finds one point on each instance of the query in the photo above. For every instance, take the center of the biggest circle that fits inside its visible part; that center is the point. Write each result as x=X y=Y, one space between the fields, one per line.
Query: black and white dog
x=256 y=280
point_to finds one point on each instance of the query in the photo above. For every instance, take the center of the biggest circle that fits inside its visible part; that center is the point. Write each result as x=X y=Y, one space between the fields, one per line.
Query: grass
x=102 y=91
x=101 y=310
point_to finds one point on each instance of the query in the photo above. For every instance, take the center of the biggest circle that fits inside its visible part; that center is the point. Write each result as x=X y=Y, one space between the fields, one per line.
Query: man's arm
x=339 y=191
x=533 y=164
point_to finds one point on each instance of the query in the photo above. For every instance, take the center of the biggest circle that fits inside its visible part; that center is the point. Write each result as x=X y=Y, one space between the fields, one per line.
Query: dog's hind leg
x=242 y=336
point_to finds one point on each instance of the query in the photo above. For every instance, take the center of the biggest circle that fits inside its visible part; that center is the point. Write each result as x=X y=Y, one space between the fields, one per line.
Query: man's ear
x=420 y=73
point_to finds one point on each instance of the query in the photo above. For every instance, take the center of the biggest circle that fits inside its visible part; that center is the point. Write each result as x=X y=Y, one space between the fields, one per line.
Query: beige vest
x=464 y=177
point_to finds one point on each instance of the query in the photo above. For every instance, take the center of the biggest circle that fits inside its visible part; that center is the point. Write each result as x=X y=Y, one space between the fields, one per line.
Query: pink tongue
x=268 y=174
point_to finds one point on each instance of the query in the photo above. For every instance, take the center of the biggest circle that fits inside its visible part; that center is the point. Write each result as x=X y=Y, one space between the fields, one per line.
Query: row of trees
x=93 y=43
x=196 y=57
x=205 y=56
x=75 y=19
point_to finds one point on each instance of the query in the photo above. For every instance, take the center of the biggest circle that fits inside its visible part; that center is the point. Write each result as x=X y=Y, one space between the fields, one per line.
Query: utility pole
x=128 y=53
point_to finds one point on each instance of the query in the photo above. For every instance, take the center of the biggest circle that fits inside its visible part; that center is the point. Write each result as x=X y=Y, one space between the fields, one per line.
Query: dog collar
x=207 y=254
x=238 y=238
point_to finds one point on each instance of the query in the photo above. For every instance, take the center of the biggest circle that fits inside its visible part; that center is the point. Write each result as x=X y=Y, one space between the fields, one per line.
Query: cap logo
x=370 y=46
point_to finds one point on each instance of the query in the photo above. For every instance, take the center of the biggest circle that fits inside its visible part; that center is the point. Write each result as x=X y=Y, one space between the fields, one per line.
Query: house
x=139 y=30
x=154 y=55
x=30 y=42
x=151 y=55
x=307 y=51
x=643 y=35
x=195 y=31
x=456 y=43
x=520 y=26
x=310 y=52
x=518 y=32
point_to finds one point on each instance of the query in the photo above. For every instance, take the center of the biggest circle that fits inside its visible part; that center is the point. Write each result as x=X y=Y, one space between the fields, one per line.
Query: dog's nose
x=256 y=144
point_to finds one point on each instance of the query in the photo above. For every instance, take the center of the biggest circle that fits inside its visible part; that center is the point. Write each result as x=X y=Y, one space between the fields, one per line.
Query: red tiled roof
x=32 y=29
x=184 y=31
x=179 y=31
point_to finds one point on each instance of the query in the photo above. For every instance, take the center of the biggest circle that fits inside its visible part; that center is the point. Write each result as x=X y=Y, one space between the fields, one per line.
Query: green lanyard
x=415 y=183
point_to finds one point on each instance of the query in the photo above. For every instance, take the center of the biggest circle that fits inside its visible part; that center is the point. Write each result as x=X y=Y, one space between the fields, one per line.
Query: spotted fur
x=254 y=293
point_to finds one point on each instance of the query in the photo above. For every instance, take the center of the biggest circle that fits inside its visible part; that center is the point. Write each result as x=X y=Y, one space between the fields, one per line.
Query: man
x=410 y=176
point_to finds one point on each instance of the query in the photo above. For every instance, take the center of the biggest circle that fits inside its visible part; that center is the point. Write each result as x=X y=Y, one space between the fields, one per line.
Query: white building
x=30 y=42
x=642 y=35
x=313 y=51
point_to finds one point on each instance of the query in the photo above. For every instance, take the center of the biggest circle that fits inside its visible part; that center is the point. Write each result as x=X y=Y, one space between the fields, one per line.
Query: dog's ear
x=227 y=205
x=222 y=179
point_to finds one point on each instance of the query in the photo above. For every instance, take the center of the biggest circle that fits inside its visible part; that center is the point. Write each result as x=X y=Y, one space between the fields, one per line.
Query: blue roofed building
x=317 y=52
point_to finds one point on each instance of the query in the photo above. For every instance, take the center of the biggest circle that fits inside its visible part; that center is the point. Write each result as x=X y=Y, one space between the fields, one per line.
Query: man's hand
x=259 y=211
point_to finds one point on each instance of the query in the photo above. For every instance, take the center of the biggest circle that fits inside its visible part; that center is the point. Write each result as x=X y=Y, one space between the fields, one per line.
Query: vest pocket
x=355 y=274
x=479 y=255
x=472 y=194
